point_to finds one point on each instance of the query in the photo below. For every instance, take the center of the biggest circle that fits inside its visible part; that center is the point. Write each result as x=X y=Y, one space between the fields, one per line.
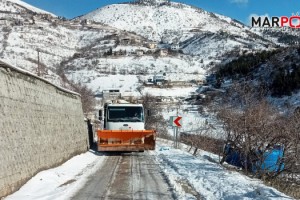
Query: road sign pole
x=176 y=131
x=174 y=136
x=177 y=137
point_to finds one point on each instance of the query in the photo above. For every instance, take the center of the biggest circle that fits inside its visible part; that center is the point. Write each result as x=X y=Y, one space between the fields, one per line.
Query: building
x=3 y=22
x=29 y=22
x=163 y=52
x=111 y=94
x=175 y=47
x=139 y=52
x=125 y=41
x=211 y=79
x=159 y=79
x=137 y=41
x=152 y=45
x=86 y=22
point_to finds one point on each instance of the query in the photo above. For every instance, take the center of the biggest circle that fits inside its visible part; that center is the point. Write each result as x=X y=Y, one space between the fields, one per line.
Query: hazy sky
x=237 y=9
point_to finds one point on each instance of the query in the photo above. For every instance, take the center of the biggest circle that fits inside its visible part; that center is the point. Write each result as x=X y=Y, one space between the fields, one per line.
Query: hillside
x=275 y=73
x=167 y=22
x=39 y=42
x=194 y=29
x=183 y=41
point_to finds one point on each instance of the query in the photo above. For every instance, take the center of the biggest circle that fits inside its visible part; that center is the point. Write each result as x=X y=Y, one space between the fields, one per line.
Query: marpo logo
x=272 y=22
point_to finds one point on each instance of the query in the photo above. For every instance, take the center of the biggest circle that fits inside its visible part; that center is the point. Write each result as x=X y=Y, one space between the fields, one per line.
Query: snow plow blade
x=126 y=140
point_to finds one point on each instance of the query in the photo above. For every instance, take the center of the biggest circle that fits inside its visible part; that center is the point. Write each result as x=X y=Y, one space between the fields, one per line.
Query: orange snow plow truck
x=124 y=128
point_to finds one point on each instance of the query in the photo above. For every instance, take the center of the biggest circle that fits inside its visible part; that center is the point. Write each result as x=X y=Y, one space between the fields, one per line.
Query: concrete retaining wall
x=41 y=126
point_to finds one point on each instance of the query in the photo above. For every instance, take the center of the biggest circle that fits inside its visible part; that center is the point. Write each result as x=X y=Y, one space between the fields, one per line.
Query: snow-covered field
x=207 y=177
x=177 y=68
x=201 y=175
x=169 y=92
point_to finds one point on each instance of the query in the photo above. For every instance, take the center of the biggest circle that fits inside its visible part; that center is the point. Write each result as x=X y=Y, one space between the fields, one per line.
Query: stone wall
x=41 y=126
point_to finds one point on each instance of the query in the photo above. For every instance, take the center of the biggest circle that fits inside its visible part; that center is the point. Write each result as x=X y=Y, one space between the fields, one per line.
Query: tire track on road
x=98 y=184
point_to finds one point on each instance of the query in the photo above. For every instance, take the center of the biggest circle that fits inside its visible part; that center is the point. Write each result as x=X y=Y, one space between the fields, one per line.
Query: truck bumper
x=126 y=140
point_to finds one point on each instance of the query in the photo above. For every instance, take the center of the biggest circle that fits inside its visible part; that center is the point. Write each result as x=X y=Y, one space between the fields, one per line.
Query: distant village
x=139 y=46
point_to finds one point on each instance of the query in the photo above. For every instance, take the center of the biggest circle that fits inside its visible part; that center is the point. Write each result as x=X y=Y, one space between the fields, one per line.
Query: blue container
x=233 y=156
x=272 y=160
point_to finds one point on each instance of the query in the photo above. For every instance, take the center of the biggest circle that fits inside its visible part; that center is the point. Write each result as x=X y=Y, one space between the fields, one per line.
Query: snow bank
x=208 y=178
x=61 y=182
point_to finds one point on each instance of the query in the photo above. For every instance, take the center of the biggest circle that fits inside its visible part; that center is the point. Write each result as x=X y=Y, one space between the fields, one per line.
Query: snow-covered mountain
x=194 y=29
x=18 y=6
x=165 y=22
x=195 y=40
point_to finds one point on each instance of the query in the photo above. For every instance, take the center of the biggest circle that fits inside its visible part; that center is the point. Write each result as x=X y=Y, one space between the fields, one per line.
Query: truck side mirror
x=100 y=115
x=148 y=113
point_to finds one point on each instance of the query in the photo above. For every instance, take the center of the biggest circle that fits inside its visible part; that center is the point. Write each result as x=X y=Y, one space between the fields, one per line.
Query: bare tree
x=253 y=128
x=155 y=119
x=87 y=96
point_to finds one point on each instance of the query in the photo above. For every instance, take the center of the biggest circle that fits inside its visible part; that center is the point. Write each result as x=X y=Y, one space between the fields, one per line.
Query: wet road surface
x=127 y=176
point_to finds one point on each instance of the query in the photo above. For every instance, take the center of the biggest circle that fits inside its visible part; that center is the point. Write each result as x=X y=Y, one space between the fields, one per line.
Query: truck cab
x=124 y=117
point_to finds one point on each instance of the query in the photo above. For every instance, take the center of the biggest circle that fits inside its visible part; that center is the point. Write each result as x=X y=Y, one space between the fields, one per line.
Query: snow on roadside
x=61 y=182
x=191 y=177
x=207 y=178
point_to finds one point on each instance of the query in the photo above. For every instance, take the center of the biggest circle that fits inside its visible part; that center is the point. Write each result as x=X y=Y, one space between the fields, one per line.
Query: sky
x=237 y=9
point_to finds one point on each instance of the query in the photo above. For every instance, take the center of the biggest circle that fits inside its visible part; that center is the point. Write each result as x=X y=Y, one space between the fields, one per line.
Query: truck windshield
x=125 y=114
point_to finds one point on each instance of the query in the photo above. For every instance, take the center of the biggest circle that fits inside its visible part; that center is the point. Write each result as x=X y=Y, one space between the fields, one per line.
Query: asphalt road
x=127 y=176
